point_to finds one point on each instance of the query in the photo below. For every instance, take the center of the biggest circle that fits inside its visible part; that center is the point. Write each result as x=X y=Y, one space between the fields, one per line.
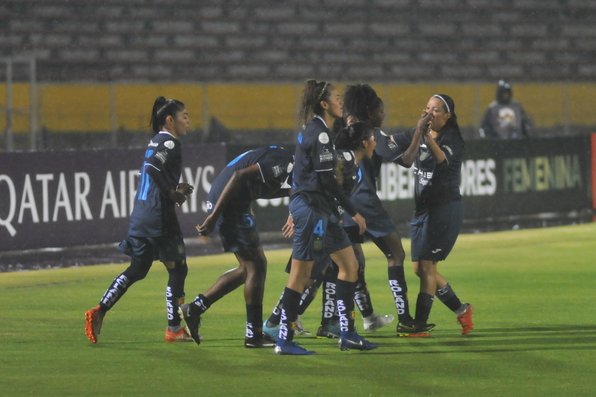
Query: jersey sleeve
x=402 y=141
x=155 y=164
x=275 y=166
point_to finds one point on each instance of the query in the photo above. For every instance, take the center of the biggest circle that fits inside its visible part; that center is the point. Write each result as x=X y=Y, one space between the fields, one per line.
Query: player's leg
x=393 y=250
x=346 y=283
x=141 y=260
x=329 y=318
x=463 y=311
x=254 y=262
x=172 y=253
x=297 y=281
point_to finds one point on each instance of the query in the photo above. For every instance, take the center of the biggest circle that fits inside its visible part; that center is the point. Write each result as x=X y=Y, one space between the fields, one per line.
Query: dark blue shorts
x=238 y=231
x=316 y=233
x=378 y=224
x=434 y=232
x=165 y=249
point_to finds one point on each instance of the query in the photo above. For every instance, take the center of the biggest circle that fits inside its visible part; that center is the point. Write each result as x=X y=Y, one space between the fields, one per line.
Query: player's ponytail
x=352 y=136
x=163 y=108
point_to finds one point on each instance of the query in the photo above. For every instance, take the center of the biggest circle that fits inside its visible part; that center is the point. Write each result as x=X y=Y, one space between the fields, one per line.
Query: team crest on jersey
x=324 y=138
x=169 y=144
x=325 y=156
x=348 y=156
x=290 y=167
x=277 y=171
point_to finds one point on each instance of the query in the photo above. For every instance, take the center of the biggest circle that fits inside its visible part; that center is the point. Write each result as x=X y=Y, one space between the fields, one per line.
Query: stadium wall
x=74 y=198
x=102 y=107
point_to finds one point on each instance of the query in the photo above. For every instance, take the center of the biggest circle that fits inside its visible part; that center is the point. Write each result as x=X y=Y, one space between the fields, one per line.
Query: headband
x=323 y=91
x=444 y=101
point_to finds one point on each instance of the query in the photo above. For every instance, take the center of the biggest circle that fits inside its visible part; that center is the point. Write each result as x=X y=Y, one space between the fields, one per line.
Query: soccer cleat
x=272 y=331
x=351 y=340
x=260 y=339
x=330 y=330
x=291 y=349
x=376 y=321
x=414 y=330
x=93 y=321
x=182 y=335
x=193 y=322
x=465 y=320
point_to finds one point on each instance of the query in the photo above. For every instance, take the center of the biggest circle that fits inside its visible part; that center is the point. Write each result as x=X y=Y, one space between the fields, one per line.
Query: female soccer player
x=154 y=232
x=314 y=211
x=436 y=149
x=258 y=173
x=361 y=103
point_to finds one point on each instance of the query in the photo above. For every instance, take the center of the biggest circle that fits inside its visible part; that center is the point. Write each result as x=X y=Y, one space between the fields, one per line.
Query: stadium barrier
x=77 y=198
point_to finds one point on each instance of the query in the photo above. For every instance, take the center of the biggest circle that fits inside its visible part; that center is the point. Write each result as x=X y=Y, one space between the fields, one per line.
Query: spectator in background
x=505 y=118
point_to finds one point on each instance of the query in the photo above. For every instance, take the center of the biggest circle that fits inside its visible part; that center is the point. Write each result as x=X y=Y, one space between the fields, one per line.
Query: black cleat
x=414 y=330
x=193 y=321
x=259 y=340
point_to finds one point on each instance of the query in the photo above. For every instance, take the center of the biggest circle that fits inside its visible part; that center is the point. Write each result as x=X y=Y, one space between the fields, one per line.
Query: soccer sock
x=362 y=299
x=114 y=292
x=289 y=314
x=449 y=298
x=328 y=312
x=345 y=305
x=275 y=316
x=423 y=305
x=308 y=296
x=175 y=292
x=254 y=320
x=200 y=305
x=399 y=289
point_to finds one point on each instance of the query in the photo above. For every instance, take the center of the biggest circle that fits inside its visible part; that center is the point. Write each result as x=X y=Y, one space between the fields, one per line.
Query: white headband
x=444 y=101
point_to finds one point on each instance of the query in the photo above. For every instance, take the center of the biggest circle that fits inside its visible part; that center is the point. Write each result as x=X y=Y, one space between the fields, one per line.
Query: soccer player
x=154 y=231
x=258 y=173
x=313 y=207
x=362 y=103
x=436 y=148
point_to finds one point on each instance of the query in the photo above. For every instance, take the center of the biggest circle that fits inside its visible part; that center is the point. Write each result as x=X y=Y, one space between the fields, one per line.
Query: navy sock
x=275 y=316
x=254 y=320
x=423 y=305
x=200 y=304
x=345 y=304
x=289 y=314
x=449 y=298
x=399 y=290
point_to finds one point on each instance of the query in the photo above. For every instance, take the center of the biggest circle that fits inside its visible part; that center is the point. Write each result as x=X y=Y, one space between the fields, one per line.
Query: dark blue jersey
x=275 y=164
x=154 y=213
x=314 y=169
x=364 y=196
x=435 y=184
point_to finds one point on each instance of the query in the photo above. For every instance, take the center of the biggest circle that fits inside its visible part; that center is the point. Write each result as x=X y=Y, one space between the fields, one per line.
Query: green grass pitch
x=533 y=293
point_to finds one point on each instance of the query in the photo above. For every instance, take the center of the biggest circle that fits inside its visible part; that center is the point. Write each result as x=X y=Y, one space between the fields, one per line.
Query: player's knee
x=137 y=270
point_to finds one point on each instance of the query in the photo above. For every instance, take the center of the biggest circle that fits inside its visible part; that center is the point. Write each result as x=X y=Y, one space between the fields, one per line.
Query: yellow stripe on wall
x=89 y=107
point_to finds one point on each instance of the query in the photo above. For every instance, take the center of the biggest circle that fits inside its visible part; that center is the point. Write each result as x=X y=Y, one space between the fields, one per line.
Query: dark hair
x=314 y=92
x=448 y=106
x=351 y=137
x=163 y=108
x=360 y=100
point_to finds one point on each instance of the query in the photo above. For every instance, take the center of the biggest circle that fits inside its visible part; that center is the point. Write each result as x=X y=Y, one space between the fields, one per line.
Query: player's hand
x=424 y=121
x=287 y=230
x=185 y=188
x=177 y=197
x=361 y=222
x=207 y=226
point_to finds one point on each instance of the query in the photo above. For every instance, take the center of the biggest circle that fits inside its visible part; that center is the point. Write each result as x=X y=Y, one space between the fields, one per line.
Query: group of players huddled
x=331 y=182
